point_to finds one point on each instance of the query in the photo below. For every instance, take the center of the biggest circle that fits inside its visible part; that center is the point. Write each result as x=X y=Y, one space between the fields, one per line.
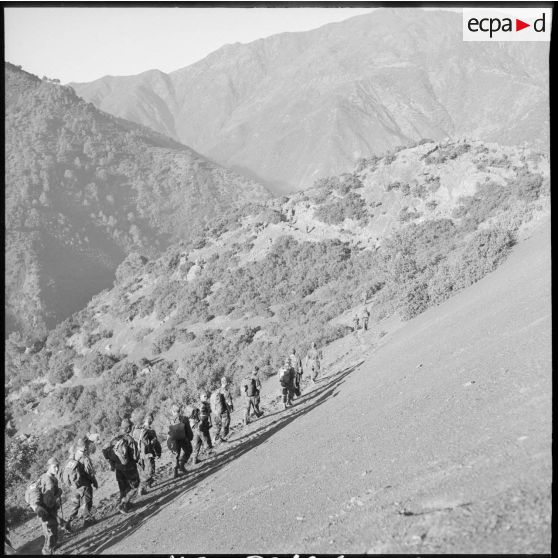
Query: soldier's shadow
x=32 y=547
x=168 y=491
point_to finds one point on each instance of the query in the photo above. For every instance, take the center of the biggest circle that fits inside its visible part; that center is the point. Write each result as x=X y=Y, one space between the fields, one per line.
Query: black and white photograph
x=277 y=278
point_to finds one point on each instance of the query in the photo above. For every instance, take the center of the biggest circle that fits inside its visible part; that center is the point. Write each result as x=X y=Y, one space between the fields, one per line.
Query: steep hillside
x=295 y=107
x=401 y=233
x=83 y=189
x=435 y=438
x=440 y=441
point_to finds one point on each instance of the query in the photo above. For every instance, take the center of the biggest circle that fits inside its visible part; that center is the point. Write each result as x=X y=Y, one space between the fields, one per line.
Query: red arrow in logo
x=519 y=25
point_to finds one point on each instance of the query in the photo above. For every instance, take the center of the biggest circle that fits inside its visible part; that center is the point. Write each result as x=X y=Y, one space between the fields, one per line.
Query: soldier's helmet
x=53 y=461
x=126 y=425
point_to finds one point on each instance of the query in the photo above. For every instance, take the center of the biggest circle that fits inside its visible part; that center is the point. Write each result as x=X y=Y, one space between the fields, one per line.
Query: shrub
x=166 y=296
x=433 y=183
x=405 y=215
x=482 y=254
x=420 y=191
x=447 y=153
x=489 y=198
x=65 y=399
x=93 y=338
x=336 y=211
x=346 y=183
x=97 y=363
x=142 y=333
x=19 y=457
x=61 y=366
x=132 y=264
x=415 y=300
x=163 y=342
x=527 y=185
x=270 y=216
x=185 y=336
x=331 y=333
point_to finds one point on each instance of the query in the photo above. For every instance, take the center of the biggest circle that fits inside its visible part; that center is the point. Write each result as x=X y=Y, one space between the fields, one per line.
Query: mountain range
x=294 y=107
x=83 y=189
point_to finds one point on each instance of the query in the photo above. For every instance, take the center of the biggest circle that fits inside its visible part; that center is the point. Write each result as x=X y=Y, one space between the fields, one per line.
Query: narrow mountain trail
x=434 y=438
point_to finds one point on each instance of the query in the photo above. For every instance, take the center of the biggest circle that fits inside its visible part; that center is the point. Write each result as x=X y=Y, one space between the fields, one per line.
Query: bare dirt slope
x=439 y=442
x=437 y=438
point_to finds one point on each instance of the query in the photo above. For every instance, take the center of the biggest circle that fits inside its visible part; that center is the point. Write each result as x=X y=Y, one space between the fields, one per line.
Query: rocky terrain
x=84 y=189
x=294 y=107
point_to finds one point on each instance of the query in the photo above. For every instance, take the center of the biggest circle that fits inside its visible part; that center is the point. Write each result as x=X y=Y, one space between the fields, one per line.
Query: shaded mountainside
x=401 y=232
x=83 y=189
x=295 y=107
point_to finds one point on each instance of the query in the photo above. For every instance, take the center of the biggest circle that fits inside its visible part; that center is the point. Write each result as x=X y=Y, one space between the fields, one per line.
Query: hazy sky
x=83 y=44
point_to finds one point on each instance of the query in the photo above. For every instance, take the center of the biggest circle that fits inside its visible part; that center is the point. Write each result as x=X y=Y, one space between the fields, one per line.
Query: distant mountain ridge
x=83 y=189
x=299 y=106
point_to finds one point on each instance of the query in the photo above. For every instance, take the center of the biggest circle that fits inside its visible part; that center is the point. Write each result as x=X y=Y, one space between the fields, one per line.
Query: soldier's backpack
x=144 y=441
x=71 y=474
x=30 y=493
x=284 y=377
x=120 y=450
x=294 y=362
x=218 y=403
x=251 y=387
x=148 y=443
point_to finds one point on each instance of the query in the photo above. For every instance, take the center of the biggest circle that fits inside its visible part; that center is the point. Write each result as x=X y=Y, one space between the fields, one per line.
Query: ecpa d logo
x=509 y=24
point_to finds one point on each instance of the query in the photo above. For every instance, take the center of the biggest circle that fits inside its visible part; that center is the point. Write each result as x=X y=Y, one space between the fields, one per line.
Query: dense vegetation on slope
x=260 y=281
x=83 y=189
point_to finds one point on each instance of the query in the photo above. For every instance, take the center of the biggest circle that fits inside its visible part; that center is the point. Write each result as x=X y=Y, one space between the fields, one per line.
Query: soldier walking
x=179 y=439
x=79 y=476
x=313 y=362
x=286 y=375
x=222 y=407
x=44 y=497
x=296 y=366
x=201 y=421
x=149 y=450
x=123 y=456
x=251 y=386
x=365 y=316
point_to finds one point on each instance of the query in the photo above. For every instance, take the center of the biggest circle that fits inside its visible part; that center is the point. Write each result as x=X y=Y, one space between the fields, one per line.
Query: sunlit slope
x=439 y=442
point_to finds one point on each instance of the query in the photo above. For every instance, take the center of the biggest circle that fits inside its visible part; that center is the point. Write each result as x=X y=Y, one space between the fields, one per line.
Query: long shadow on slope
x=97 y=542
x=334 y=379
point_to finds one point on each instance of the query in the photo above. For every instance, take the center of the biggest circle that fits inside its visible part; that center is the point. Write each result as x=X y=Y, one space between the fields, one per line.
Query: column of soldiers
x=132 y=453
x=291 y=373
